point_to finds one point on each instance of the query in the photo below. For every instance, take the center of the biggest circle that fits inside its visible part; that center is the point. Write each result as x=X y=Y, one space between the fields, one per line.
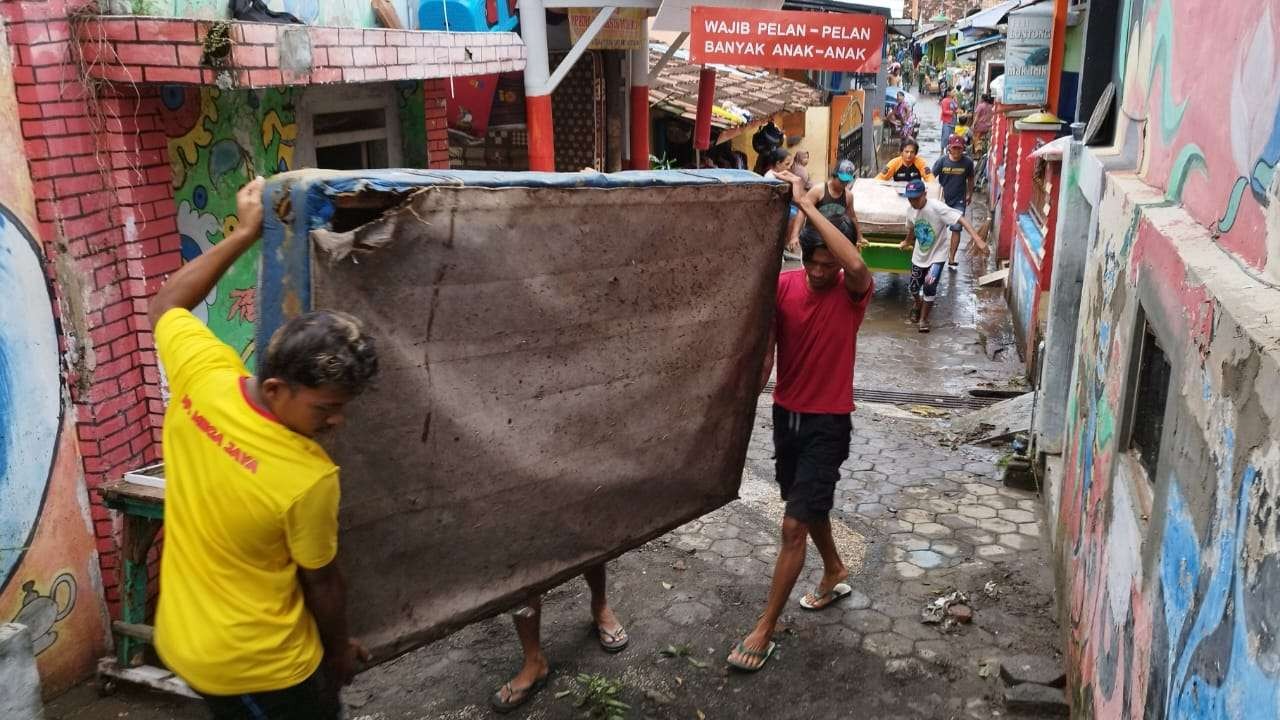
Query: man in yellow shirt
x=252 y=609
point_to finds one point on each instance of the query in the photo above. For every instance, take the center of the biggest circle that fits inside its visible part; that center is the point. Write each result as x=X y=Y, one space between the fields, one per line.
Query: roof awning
x=976 y=45
x=993 y=16
x=743 y=96
x=928 y=36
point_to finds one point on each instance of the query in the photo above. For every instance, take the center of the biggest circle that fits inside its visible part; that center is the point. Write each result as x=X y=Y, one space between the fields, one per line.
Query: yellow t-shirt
x=247 y=502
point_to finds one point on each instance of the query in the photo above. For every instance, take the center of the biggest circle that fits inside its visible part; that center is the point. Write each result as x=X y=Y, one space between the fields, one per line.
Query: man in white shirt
x=927 y=220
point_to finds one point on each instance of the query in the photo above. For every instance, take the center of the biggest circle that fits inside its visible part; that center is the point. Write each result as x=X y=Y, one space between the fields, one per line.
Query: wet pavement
x=914 y=518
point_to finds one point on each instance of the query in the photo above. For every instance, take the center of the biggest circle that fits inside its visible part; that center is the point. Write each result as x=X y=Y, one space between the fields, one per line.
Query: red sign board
x=786 y=39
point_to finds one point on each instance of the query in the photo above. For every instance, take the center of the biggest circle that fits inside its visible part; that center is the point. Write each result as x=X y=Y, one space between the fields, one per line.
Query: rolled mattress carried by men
x=569 y=368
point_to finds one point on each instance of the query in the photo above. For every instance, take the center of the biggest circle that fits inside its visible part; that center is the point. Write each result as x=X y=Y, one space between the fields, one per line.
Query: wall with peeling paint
x=1170 y=578
x=49 y=573
x=1207 y=105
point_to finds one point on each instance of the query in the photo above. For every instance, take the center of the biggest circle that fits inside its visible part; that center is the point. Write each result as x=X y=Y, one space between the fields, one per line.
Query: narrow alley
x=917 y=516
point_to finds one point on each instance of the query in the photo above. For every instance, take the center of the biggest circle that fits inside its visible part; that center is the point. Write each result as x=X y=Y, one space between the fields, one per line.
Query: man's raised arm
x=188 y=286
x=857 y=278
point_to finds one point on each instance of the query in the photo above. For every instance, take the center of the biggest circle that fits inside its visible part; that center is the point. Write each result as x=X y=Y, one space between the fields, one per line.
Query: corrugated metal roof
x=742 y=96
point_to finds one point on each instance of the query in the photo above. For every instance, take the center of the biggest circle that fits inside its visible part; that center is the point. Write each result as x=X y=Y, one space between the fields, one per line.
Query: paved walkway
x=914 y=518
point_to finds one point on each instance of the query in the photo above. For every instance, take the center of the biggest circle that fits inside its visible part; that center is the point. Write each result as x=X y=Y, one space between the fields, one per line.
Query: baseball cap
x=955 y=141
x=915 y=188
x=844 y=171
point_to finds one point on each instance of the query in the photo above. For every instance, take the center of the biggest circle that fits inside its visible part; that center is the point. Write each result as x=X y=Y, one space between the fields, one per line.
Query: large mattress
x=569 y=368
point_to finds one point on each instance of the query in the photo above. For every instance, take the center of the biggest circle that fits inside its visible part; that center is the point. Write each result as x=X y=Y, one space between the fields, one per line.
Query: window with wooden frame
x=349 y=128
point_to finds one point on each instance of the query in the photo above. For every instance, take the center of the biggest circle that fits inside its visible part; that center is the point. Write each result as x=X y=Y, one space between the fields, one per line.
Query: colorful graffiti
x=30 y=391
x=218 y=140
x=1213 y=142
x=1174 y=578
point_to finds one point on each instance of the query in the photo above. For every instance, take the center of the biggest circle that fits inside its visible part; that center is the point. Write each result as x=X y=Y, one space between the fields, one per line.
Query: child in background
x=925 y=222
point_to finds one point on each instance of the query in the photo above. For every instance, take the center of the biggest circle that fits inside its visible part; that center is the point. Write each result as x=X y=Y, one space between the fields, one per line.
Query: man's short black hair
x=811 y=239
x=912 y=143
x=325 y=347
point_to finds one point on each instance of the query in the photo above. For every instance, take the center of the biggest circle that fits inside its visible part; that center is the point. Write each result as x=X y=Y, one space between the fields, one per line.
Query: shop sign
x=1027 y=50
x=843 y=42
x=624 y=30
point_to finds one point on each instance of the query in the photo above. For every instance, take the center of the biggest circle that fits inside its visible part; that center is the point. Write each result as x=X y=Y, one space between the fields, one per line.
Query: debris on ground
x=906 y=669
x=995 y=423
x=928 y=411
x=988 y=668
x=679 y=565
x=597 y=697
x=947 y=610
x=990 y=589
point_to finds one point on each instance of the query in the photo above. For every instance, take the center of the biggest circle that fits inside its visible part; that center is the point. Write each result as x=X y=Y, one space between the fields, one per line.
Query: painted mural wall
x=219 y=140
x=49 y=574
x=1212 y=138
x=1171 y=577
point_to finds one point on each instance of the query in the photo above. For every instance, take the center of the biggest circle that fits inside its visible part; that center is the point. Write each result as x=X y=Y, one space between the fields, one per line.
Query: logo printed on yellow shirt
x=247 y=461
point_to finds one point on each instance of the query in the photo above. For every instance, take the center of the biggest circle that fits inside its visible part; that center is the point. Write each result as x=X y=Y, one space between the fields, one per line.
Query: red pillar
x=542 y=143
x=639 y=127
x=706 y=98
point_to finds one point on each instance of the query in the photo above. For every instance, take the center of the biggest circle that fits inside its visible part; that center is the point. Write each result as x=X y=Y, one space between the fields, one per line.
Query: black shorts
x=810 y=449
x=312 y=699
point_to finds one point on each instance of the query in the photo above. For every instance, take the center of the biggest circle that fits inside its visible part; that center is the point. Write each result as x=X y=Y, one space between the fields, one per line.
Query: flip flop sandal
x=826 y=599
x=924 y=327
x=764 y=656
x=516 y=697
x=612 y=642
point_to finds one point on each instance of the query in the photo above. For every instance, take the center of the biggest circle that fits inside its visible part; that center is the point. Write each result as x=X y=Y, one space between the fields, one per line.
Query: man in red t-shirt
x=819 y=310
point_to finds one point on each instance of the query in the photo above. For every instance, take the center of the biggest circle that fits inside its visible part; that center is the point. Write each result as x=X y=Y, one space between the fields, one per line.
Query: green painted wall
x=218 y=140
x=1073 y=49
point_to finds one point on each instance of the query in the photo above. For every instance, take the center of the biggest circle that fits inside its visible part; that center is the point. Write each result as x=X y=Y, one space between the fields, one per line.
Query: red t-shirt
x=948 y=111
x=817 y=334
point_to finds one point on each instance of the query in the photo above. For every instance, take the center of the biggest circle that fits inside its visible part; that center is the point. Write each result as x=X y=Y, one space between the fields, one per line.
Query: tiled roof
x=758 y=93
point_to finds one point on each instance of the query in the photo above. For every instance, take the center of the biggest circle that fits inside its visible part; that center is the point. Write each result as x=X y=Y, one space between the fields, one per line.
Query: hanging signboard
x=1027 y=50
x=624 y=30
x=842 y=42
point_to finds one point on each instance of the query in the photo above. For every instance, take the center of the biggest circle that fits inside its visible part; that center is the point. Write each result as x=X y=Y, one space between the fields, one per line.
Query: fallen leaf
x=667 y=585
x=701 y=715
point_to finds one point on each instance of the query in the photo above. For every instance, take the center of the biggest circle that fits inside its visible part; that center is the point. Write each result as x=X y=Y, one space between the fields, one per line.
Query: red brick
x=258 y=33
x=327 y=75
x=189 y=76
x=324 y=36
x=114 y=73
x=190 y=55
x=351 y=36
x=78 y=184
x=23 y=74
x=249 y=56
x=164 y=55
x=397 y=72
x=115 y=30
x=375 y=38
x=53 y=168
x=364 y=56
x=375 y=73
x=124 y=347
x=265 y=78
x=44 y=127
x=67 y=146
x=341 y=57
x=273 y=57
x=171 y=30
x=406 y=55
x=39 y=94
x=386 y=55
x=319 y=57
x=54 y=53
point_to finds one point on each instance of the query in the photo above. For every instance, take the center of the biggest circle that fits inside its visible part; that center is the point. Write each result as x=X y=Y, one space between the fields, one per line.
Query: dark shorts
x=311 y=699
x=962 y=206
x=810 y=449
x=924 y=281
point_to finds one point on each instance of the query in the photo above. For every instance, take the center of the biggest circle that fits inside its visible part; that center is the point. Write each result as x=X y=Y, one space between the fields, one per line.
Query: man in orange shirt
x=252 y=610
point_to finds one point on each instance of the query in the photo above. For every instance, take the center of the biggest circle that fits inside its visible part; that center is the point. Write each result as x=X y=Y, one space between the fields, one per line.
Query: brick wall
x=437 y=93
x=107 y=224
